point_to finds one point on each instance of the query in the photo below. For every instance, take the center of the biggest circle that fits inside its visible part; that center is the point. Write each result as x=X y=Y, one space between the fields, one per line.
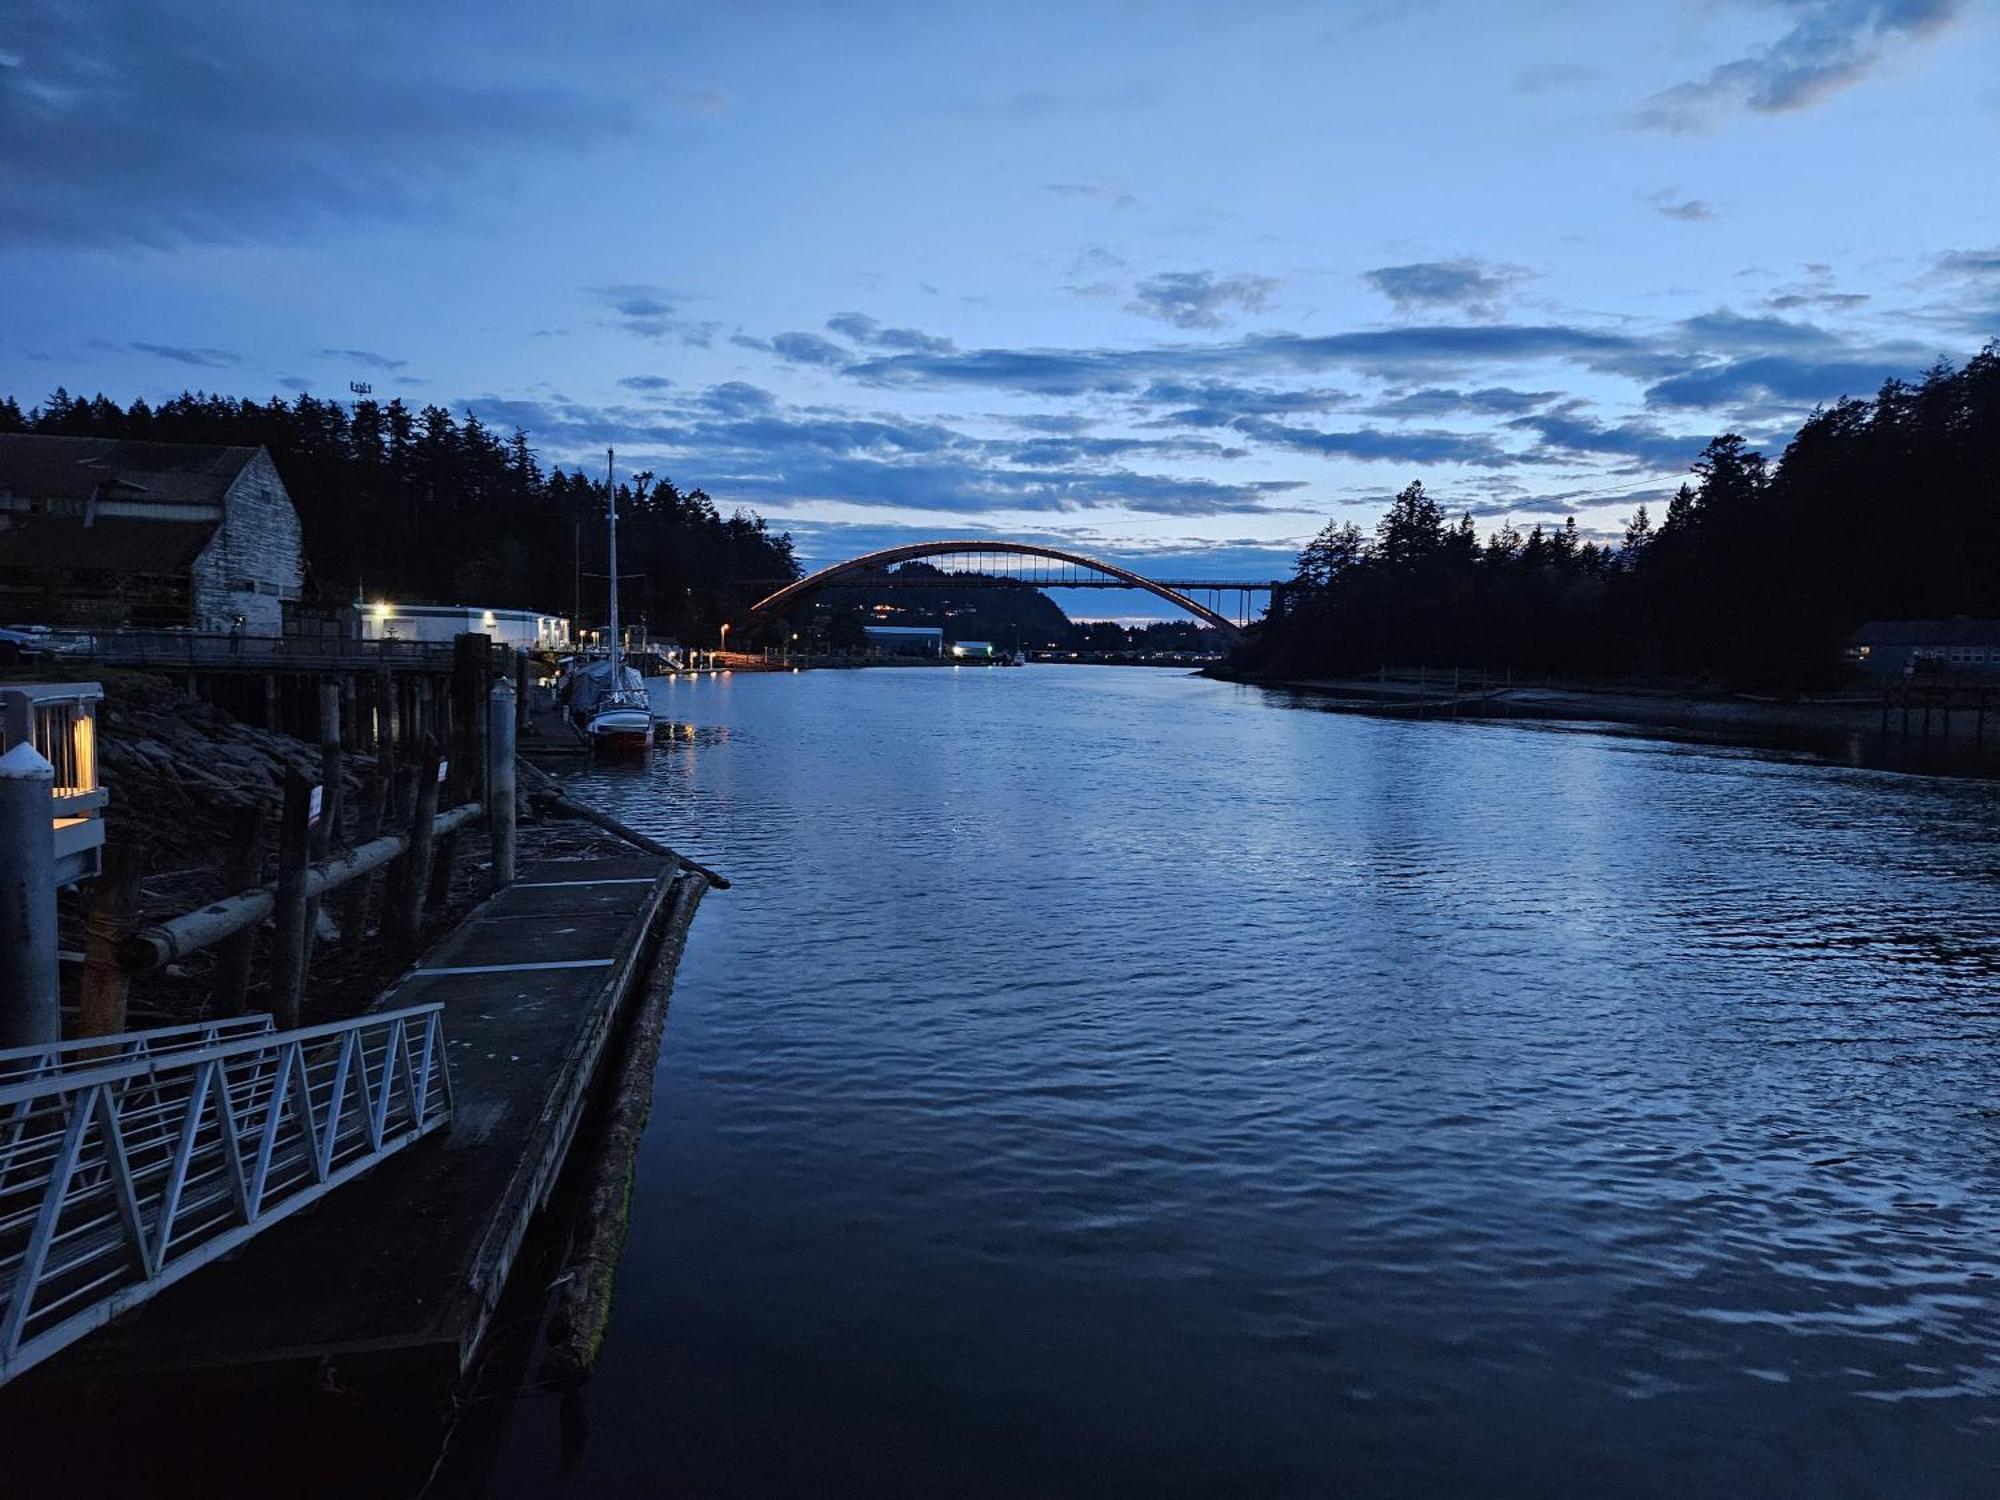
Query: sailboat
x=618 y=719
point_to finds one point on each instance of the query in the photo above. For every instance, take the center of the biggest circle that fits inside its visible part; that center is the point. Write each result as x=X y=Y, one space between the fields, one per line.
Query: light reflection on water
x=1105 y=1081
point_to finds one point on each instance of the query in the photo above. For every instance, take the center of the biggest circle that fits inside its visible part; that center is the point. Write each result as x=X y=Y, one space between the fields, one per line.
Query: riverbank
x=1734 y=716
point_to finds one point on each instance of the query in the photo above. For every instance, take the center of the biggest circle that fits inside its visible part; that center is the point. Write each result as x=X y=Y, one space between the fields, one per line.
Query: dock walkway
x=404 y=1268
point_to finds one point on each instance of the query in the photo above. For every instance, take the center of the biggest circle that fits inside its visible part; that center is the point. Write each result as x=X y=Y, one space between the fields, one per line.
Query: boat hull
x=620 y=732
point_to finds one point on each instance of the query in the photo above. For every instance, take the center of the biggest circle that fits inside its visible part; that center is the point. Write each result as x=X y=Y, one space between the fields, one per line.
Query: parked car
x=19 y=645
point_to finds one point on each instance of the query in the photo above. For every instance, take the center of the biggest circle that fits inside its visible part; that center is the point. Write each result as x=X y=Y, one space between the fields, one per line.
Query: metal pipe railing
x=121 y=1173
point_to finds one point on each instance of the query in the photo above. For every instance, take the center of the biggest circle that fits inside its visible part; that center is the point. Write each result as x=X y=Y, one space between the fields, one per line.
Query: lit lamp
x=60 y=720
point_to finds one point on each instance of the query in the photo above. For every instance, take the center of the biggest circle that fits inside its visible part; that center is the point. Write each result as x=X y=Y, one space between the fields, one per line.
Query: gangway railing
x=121 y=1174
x=20 y=1064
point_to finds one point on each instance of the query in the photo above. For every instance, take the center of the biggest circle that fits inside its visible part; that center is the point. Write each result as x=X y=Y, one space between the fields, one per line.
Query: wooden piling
x=289 y=938
x=327 y=828
x=418 y=862
x=113 y=900
x=244 y=871
x=501 y=719
x=369 y=811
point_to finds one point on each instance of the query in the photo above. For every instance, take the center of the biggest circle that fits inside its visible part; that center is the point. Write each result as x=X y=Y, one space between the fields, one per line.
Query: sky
x=1172 y=284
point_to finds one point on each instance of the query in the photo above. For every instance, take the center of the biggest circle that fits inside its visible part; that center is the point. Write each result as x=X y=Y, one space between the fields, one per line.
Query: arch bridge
x=1024 y=564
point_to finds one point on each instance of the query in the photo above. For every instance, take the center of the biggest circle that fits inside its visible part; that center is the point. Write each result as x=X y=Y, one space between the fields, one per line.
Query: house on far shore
x=1904 y=648
x=96 y=532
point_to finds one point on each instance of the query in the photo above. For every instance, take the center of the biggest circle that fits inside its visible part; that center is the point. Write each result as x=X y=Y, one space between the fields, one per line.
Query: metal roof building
x=98 y=531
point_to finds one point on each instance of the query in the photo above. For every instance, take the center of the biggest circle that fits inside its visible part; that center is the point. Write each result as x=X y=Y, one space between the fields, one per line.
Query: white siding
x=255 y=560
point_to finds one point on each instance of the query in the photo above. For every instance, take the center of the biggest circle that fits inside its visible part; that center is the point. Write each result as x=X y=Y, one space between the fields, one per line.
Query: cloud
x=182 y=354
x=1832 y=301
x=1115 y=197
x=1374 y=445
x=1443 y=401
x=1774 y=378
x=1975 y=264
x=1565 y=429
x=366 y=357
x=1196 y=299
x=1470 y=285
x=1669 y=204
x=1830 y=45
x=807 y=349
x=1383 y=352
x=653 y=312
x=246 y=122
x=646 y=383
x=740 y=442
x=1215 y=403
x=863 y=329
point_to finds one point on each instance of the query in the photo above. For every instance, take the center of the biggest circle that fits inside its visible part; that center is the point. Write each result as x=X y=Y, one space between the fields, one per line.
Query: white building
x=520 y=628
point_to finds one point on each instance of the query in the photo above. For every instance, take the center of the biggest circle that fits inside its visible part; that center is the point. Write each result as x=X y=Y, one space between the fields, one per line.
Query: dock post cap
x=25 y=763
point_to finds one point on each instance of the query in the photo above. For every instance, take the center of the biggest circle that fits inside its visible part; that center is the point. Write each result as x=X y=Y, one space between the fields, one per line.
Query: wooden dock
x=401 y=1271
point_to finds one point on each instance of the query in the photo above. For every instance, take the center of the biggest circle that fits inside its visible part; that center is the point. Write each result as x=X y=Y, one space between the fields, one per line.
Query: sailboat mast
x=611 y=497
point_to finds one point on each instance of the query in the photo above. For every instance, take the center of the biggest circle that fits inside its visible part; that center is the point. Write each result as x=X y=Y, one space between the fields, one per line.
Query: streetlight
x=725 y=641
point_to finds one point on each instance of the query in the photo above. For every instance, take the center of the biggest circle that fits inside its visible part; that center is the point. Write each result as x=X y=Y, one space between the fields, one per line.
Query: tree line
x=423 y=506
x=1755 y=577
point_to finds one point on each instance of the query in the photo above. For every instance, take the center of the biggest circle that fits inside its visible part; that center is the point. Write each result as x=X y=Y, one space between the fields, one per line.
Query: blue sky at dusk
x=1170 y=283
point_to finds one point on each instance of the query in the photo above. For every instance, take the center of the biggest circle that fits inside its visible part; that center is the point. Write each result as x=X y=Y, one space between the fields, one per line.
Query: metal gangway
x=128 y=1161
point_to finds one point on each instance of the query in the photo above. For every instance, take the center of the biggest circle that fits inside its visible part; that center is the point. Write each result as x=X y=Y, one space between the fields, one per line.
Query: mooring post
x=289 y=944
x=326 y=830
x=368 y=814
x=248 y=827
x=422 y=853
x=471 y=671
x=396 y=885
x=30 y=1012
x=501 y=727
x=106 y=982
x=350 y=713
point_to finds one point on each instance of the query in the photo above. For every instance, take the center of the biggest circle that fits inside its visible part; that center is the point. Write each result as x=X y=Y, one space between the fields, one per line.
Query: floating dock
x=400 y=1272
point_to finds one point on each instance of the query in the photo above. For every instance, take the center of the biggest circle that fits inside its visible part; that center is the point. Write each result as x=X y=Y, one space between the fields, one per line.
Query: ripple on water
x=1106 y=1081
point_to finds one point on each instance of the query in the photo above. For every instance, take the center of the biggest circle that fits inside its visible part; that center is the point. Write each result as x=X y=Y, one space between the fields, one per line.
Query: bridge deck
x=404 y=1267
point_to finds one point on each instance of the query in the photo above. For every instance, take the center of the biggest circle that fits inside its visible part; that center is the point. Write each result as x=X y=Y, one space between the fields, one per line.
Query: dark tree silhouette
x=425 y=506
x=1755 y=576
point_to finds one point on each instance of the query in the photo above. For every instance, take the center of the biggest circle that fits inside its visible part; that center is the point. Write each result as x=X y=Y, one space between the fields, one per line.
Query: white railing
x=22 y=1064
x=121 y=1173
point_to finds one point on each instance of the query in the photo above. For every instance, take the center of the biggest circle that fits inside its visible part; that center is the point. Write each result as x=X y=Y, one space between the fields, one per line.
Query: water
x=1107 y=1082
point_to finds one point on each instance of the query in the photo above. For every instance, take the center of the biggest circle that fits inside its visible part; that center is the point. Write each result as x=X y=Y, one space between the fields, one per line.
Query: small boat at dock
x=609 y=698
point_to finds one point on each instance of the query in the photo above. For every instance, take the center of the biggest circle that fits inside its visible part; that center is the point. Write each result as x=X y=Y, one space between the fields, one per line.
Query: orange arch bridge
x=1109 y=575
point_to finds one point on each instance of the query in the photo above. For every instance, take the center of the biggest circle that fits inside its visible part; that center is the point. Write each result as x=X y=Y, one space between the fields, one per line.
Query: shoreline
x=1839 y=724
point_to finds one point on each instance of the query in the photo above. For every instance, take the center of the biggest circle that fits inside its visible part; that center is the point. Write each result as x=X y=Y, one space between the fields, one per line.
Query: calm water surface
x=1107 y=1082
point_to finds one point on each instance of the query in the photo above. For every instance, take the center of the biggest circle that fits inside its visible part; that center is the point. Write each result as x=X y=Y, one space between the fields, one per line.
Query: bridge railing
x=119 y=1177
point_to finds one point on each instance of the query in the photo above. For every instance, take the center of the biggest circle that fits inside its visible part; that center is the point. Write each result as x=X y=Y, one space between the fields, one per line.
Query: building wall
x=521 y=628
x=256 y=559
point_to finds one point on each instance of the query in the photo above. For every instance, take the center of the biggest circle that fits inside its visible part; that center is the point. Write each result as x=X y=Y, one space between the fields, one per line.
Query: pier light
x=60 y=720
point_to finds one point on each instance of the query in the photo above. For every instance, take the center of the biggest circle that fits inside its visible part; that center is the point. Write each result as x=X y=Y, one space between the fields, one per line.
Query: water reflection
x=1102 y=1081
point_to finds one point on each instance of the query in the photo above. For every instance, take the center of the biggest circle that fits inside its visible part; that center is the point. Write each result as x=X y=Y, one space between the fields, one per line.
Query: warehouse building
x=95 y=532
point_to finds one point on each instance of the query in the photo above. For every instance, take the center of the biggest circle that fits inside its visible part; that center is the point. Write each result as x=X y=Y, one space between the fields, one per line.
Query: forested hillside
x=1755 y=576
x=425 y=506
